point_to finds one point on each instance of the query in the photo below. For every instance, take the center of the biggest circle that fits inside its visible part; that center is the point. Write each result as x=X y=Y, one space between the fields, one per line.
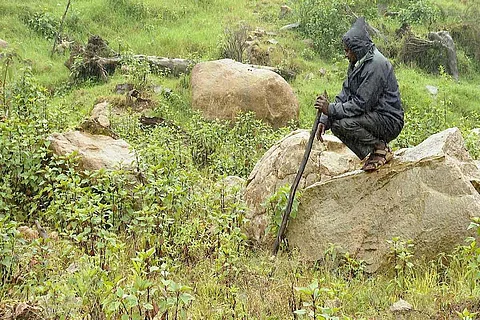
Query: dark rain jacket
x=371 y=85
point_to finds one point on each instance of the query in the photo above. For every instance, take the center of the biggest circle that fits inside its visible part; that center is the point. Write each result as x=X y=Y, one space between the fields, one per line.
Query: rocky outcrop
x=222 y=89
x=279 y=166
x=426 y=194
x=95 y=151
x=98 y=123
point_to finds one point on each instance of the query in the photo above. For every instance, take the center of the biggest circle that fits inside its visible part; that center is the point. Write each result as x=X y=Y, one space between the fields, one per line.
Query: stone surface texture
x=279 y=166
x=95 y=151
x=222 y=89
x=425 y=194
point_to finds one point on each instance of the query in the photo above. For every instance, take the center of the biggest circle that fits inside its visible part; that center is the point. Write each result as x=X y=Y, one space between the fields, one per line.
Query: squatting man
x=367 y=114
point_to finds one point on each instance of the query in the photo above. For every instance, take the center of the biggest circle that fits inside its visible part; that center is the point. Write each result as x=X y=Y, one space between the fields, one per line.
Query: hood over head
x=357 y=38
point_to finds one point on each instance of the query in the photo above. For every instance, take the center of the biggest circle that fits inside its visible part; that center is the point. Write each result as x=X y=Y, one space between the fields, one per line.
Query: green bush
x=420 y=12
x=43 y=24
x=23 y=143
x=325 y=22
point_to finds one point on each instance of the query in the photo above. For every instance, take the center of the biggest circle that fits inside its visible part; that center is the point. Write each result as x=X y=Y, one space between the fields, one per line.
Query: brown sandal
x=377 y=159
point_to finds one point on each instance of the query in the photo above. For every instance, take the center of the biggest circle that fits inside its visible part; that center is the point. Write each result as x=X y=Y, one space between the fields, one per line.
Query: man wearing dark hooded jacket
x=367 y=113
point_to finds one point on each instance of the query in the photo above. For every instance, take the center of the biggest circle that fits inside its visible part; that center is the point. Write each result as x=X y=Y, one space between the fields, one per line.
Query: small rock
x=98 y=122
x=28 y=233
x=401 y=306
x=284 y=11
x=123 y=88
x=433 y=90
x=272 y=41
x=100 y=112
x=322 y=72
x=309 y=76
x=259 y=32
x=333 y=303
x=3 y=44
x=41 y=231
x=162 y=90
x=167 y=92
x=73 y=267
x=94 y=151
x=290 y=26
x=308 y=42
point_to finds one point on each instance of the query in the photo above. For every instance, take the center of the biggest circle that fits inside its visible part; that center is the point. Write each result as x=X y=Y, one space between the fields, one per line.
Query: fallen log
x=177 y=66
x=174 y=67
x=97 y=60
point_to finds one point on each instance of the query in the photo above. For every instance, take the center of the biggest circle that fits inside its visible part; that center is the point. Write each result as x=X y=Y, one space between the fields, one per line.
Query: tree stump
x=437 y=50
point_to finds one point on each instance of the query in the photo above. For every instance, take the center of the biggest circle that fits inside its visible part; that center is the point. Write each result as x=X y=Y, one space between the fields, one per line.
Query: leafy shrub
x=420 y=12
x=234 y=43
x=472 y=143
x=276 y=205
x=43 y=24
x=325 y=22
x=467 y=37
x=23 y=143
x=136 y=71
x=238 y=149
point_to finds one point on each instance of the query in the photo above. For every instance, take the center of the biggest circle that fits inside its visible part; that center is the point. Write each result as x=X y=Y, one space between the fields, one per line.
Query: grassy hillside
x=174 y=246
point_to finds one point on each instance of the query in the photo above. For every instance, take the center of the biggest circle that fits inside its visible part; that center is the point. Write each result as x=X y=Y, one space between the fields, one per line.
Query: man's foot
x=378 y=158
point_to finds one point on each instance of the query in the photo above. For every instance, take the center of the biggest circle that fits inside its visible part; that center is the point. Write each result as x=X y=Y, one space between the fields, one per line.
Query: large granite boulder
x=426 y=194
x=95 y=151
x=279 y=166
x=222 y=89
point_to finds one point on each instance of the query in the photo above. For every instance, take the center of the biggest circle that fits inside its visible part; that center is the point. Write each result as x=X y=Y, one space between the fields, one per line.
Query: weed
x=43 y=24
x=234 y=43
x=276 y=204
x=401 y=254
x=311 y=308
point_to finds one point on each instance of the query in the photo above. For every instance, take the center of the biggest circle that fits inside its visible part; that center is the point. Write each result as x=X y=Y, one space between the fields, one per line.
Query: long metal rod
x=294 y=186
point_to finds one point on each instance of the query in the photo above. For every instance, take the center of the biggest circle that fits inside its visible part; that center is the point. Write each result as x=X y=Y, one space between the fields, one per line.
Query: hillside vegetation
x=173 y=246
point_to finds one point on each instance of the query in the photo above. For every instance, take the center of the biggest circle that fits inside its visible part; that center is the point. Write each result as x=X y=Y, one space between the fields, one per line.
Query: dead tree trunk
x=99 y=61
x=438 y=49
x=177 y=67
x=447 y=42
x=174 y=67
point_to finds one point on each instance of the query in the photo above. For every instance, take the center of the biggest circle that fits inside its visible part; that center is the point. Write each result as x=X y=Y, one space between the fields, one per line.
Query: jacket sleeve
x=324 y=119
x=342 y=96
x=363 y=100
